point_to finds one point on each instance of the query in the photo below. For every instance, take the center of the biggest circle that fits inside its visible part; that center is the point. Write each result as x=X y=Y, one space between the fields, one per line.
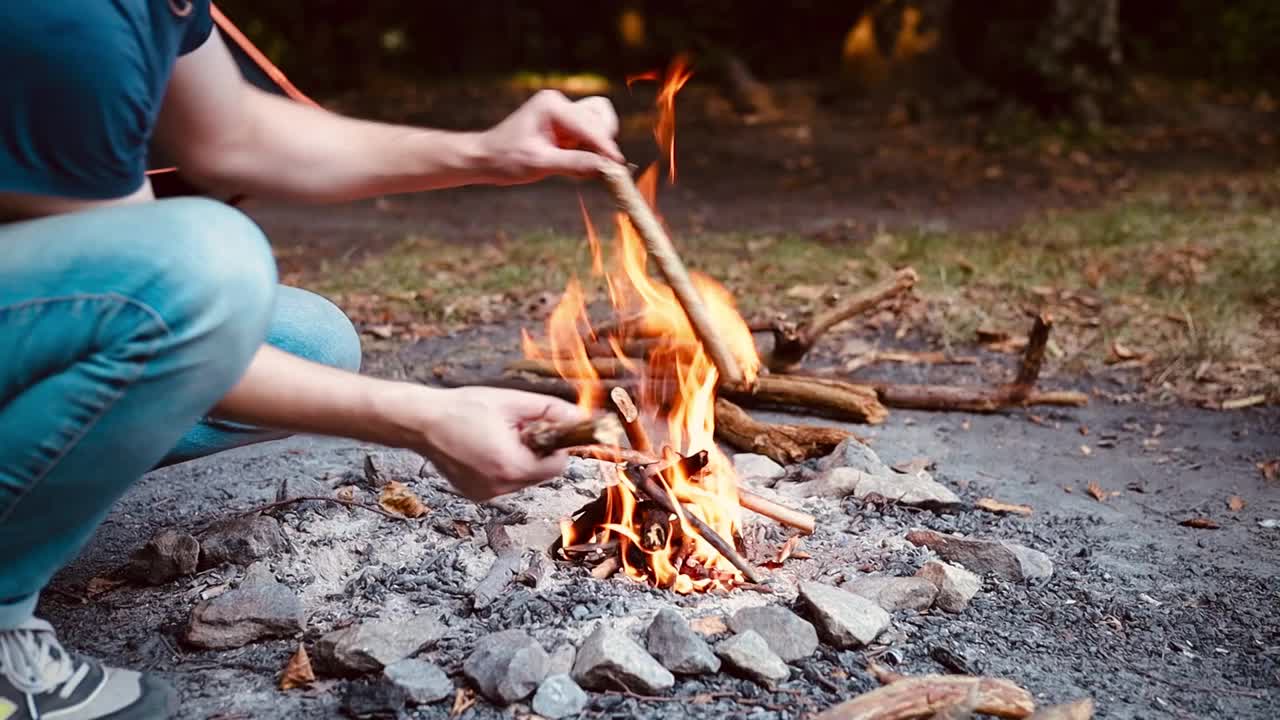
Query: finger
x=578 y=163
x=587 y=129
x=532 y=406
x=552 y=465
x=600 y=108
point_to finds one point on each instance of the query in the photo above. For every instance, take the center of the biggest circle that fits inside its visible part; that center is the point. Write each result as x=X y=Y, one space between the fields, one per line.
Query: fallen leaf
x=992 y=505
x=787 y=548
x=462 y=701
x=396 y=497
x=1236 y=503
x=1096 y=491
x=1244 y=402
x=1270 y=469
x=101 y=586
x=346 y=492
x=709 y=625
x=297 y=672
x=1200 y=523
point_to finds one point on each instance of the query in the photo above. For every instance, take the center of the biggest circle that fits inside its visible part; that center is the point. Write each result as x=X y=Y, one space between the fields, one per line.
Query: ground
x=1153 y=245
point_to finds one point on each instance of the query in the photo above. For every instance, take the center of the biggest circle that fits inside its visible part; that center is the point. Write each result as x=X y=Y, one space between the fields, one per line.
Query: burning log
x=922 y=697
x=632 y=203
x=785 y=444
x=791 y=344
x=544 y=437
x=631 y=423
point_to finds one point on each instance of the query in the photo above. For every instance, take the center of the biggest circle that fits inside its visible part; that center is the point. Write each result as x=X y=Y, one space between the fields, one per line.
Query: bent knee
x=308 y=325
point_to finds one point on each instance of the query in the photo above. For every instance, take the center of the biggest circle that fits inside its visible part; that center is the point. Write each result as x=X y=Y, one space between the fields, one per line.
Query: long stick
x=802 y=521
x=632 y=203
x=631 y=422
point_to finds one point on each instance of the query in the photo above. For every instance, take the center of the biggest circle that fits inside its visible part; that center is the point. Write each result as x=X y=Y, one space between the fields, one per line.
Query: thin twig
x=320 y=498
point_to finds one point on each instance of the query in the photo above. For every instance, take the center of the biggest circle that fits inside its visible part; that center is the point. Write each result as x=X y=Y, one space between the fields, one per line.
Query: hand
x=550 y=135
x=473 y=438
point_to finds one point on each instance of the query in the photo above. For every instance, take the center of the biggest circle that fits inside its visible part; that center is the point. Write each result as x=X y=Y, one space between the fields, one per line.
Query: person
x=140 y=332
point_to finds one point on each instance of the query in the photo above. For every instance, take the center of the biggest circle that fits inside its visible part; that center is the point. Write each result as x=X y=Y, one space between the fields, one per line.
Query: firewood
x=926 y=695
x=1078 y=710
x=544 y=437
x=629 y=200
x=606 y=568
x=779 y=513
x=631 y=421
x=792 y=344
x=784 y=444
x=828 y=396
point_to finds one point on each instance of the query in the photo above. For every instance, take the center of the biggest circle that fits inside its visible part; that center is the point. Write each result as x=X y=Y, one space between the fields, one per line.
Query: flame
x=678 y=376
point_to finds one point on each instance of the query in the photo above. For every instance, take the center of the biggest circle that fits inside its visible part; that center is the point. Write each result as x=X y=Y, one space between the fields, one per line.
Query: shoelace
x=35 y=662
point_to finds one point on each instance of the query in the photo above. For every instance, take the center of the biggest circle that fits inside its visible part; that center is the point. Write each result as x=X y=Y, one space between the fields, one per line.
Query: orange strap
x=229 y=29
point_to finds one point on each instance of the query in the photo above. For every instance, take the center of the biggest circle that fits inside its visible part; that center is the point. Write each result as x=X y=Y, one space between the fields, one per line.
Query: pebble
x=956 y=586
x=845 y=620
x=679 y=648
x=303 y=486
x=758 y=468
x=238 y=617
x=373 y=699
x=851 y=453
x=1005 y=559
x=559 y=696
x=370 y=646
x=561 y=660
x=894 y=593
x=240 y=540
x=790 y=636
x=749 y=655
x=609 y=658
x=384 y=466
x=506 y=666
x=422 y=682
x=167 y=556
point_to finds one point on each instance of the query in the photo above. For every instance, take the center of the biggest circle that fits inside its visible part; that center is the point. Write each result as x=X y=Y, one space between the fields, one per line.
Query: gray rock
x=757 y=469
x=240 y=616
x=790 y=636
x=851 y=453
x=561 y=662
x=302 y=486
x=257 y=574
x=559 y=696
x=1004 y=559
x=373 y=699
x=240 y=540
x=422 y=682
x=844 y=620
x=167 y=556
x=748 y=654
x=677 y=647
x=609 y=659
x=383 y=466
x=918 y=489
x=506 y=666
x=956 y=586
x=371 y=646
x=894 y=593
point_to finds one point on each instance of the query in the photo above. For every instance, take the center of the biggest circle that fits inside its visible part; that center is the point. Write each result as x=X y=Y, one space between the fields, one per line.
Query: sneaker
x=39 y=680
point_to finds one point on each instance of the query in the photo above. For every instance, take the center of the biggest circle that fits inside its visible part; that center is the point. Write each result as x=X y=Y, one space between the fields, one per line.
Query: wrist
x=468 y=158
x=403 y=414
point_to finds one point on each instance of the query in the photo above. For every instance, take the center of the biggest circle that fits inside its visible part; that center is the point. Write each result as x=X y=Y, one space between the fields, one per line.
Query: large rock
x=894 y=593
x=559 y=696
x=167 y=556
x=956 y=586
x=851 y=453
x=371 y=646
x=918 y=489
x=997 y=557
x=422 y=682
x=790 y=636
x=561 y=662
x=757 y=469
x=609 y=659
x=240 y=540
x=369 y=699
x=506 y=666
x=238 y=617
x=678 y=647
x=748 y=654
x=844 y=620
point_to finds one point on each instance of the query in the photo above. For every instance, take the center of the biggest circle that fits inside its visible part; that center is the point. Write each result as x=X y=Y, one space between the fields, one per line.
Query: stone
x=677 y=647
x=167 y=556
x=843 y=619
x=506 y=666
x=790 y=636
x=240 y=616
x=373 y=699
x=370 y=646
x=748 y=654
x=1004 y=559
x=956 y=586
x=257 y=574
x=894 y=593
x=916 y=489
x=383 y=466
x=559 y=696
x=609 y=659
x=561 y=661
x=302 y=486
x=851 y=453
x=422 y=682
x=240 y=540
x=757 y=469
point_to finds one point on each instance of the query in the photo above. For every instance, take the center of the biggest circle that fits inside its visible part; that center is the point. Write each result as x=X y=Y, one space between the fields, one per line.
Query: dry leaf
x=709 y=625
x=396 y=497
x=1236 y=503
x=1270 y=469
x=463 y=699
x=101 y=586
x=1200 y=523
x=346 y=493
x=787 y=548
x=1096 y=491
x=297 y=672
x=992 y=505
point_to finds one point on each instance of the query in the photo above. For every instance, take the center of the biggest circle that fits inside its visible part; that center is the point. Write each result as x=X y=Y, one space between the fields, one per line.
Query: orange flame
x=678 y=375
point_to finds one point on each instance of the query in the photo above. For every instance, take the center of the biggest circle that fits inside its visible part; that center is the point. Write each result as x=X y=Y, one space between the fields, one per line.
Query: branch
x=926 y=695
x=544 y=437
x=784 y=444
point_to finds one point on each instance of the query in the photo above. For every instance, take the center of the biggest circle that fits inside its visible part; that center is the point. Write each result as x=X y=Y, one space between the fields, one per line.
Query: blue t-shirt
x=83 y=83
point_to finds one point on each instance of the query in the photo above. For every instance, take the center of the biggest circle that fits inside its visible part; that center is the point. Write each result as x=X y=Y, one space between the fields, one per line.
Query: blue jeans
x=120 y=329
